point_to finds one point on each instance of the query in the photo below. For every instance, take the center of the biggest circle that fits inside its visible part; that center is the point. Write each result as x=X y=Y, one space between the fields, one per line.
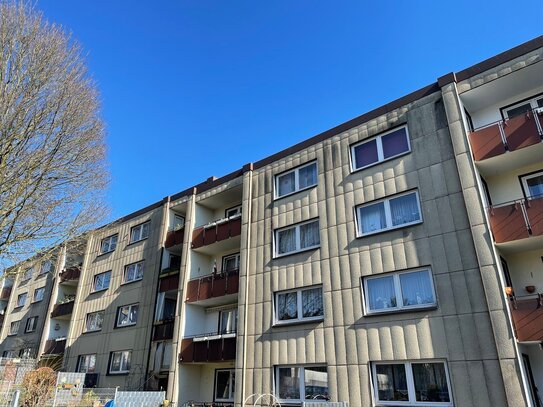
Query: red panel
x=210 y=235
x=174 y=237
x=200 y=351
x=534 y=207
x=229 y=350
x=187 y=351
x=215 y=350
x=235 y=227
x=192 y=290
x=528 y=319
x=206 y=286
x=232 y=284
x=223 y=231
x=6 y=292
x=219 y=285
x=169 y=283
x=198 y=238
x=521 y=131
x=486 y=143
x=507 y=223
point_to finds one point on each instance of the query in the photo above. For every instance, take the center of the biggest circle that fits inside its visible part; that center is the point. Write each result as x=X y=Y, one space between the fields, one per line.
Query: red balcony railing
x=207 y=350
x=507 y=135
x=516 y=220
x=60 y=310
x=528 y=318
x=163 y=331
x=70 y=274
x=169 y=283
x=212 y=286
x=174 y=237
x=5 y=293
x=216 y=232
x=54 y=347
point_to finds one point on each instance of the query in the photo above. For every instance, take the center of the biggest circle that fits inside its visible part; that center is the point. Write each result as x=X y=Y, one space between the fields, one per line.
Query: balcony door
x=532 y=185
x=522 y=107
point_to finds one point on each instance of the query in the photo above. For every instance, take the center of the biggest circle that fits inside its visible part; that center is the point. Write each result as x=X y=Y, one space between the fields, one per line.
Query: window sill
x=99 y=291
x=18 y=308
x=355 y=170
x=36 y=302
x=117 y=374
x=401 y=310
x=405 y=225
x=91 y=332
x=136 y=241
x=131 y=282
x=277 y=198
x=280 y=256
x=278 y=324
x=104 y=253
x=125 y=326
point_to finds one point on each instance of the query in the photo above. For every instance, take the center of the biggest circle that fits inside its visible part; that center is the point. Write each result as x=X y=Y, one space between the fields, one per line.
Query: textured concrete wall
x=458 y=331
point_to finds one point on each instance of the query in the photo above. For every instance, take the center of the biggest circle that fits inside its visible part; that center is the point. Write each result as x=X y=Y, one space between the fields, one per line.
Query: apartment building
x=396 y=259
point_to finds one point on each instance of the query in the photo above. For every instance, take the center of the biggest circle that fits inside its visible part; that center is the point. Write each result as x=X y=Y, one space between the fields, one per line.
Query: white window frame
x=233 y=212
x=532 y=102
x=296 y=172
x=29 y=272
x=297 y=237
x=299 y=307
x=108 y=240
x=228 y=257
x=524 y=179
x=86 y=357
x=123 y=358
x=411 y=384
x=176 y=224
x=398 y=291
x=92 y=314
x=24 y=296
x=302 y=384
x=39 y=289
x=388 y=215
x=228 y=311
x=97 y=290
x=13 y=324
x=140 y=264
x=34 y=324
x=231 y=385
x=379 y=145
x=130 y=323
x=161 y=349
x=136 y=232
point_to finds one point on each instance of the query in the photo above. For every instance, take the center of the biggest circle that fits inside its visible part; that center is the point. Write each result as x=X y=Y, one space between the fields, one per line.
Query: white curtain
x=381 y=293
x=286 y=240
x=307 y=176
x=416 y=288
x=309 y=235
x=404 y=209
x=229 y=321
x=312 y=304
x=372 y=217
x=285 y=184
x=159 y=307
x=287 y=306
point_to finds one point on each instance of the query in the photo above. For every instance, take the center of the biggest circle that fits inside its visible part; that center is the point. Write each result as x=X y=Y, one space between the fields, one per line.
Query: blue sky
x=197 y=88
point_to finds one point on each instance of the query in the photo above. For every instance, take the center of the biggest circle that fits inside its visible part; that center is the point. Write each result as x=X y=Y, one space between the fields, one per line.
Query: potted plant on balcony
x=530 y=289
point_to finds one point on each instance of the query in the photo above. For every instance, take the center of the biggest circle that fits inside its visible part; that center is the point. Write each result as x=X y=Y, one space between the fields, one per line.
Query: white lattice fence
x=140 y=398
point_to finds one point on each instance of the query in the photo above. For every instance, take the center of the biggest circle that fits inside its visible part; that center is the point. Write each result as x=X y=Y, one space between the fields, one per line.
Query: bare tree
x=53 y=171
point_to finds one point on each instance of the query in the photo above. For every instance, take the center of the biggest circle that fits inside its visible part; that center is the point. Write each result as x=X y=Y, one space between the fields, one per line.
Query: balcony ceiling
x=229 y=197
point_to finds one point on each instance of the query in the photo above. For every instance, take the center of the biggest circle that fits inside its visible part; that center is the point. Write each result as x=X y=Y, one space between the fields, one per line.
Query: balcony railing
x=212 y=286
x=507 y=135
x=169 y=283
x=209 y=348
x=65 y=308
x=70 y=274
x=163 y=331
x=174 y=237
x=5 y=293
x=516 y=220
x=54 y=347
x=528 y=317
x=216 y=231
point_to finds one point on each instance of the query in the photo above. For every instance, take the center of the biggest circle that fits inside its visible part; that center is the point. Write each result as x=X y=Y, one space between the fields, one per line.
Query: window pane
x=395 y=143
x=416 y=288
x=309 y=235
x=286 y=241
x=307 y=176
x=144 y=230
x=285 y=184
x=519 y=110
x=381 y=293
x=404 y=209
x=133 y=314
x=116 y=362
x=391 y=383
x=222 y=389
x=430 y=382
x=316 y=383
x=287 y=306
x=540 y=102
x=289 y=383
x=365 y=154
x=229 y=321
x=372 y=217
x=535 y=186
x=312 y=305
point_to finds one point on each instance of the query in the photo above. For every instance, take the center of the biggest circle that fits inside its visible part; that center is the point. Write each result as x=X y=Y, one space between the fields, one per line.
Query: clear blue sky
x=197 y=88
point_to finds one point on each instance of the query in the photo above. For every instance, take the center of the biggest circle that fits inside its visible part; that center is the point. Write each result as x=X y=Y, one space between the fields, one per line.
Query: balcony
x=163 y=331
x=70 y=276
x=54 y=347
x=209 y=348
x=64 y=309
x=213 y=286
x=517 y=220
x=169 y=283
x=5 y=294
x=215 y=232
x=174 y=237
x=527 y=316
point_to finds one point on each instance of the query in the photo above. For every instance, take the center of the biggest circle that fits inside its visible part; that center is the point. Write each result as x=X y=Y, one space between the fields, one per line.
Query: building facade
x=392 y=260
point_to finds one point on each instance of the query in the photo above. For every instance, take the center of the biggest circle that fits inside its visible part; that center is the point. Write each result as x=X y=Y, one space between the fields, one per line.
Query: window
x=31 y=324
x=228 y=321
x=108 y=244
x=390 y=213
x=26 y=353
x=381 y=148
x=21 y=300
x=299 y=305
x=86 y=363
x=8 y=354
x=101 y=281
x=133 y=272
x=127 y=315
x=398 y=291
x=225 y=384
x=27 y=274
x=296 y=180
x=411 y=383
x=178 y=222
x=14 y=327
x=301 y=383
x=165 y=307
x=230 y=262
x=46 y=267
x=94 y=321
x=38 y=294
x=120 y=362
x=232 y=212
x=163 y=356
x=139 y=232
x=532 y=184
x=522 y=107
x=303 y=236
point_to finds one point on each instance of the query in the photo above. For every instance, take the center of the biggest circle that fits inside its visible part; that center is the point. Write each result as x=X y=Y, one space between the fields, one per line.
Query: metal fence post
x=16 y=397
